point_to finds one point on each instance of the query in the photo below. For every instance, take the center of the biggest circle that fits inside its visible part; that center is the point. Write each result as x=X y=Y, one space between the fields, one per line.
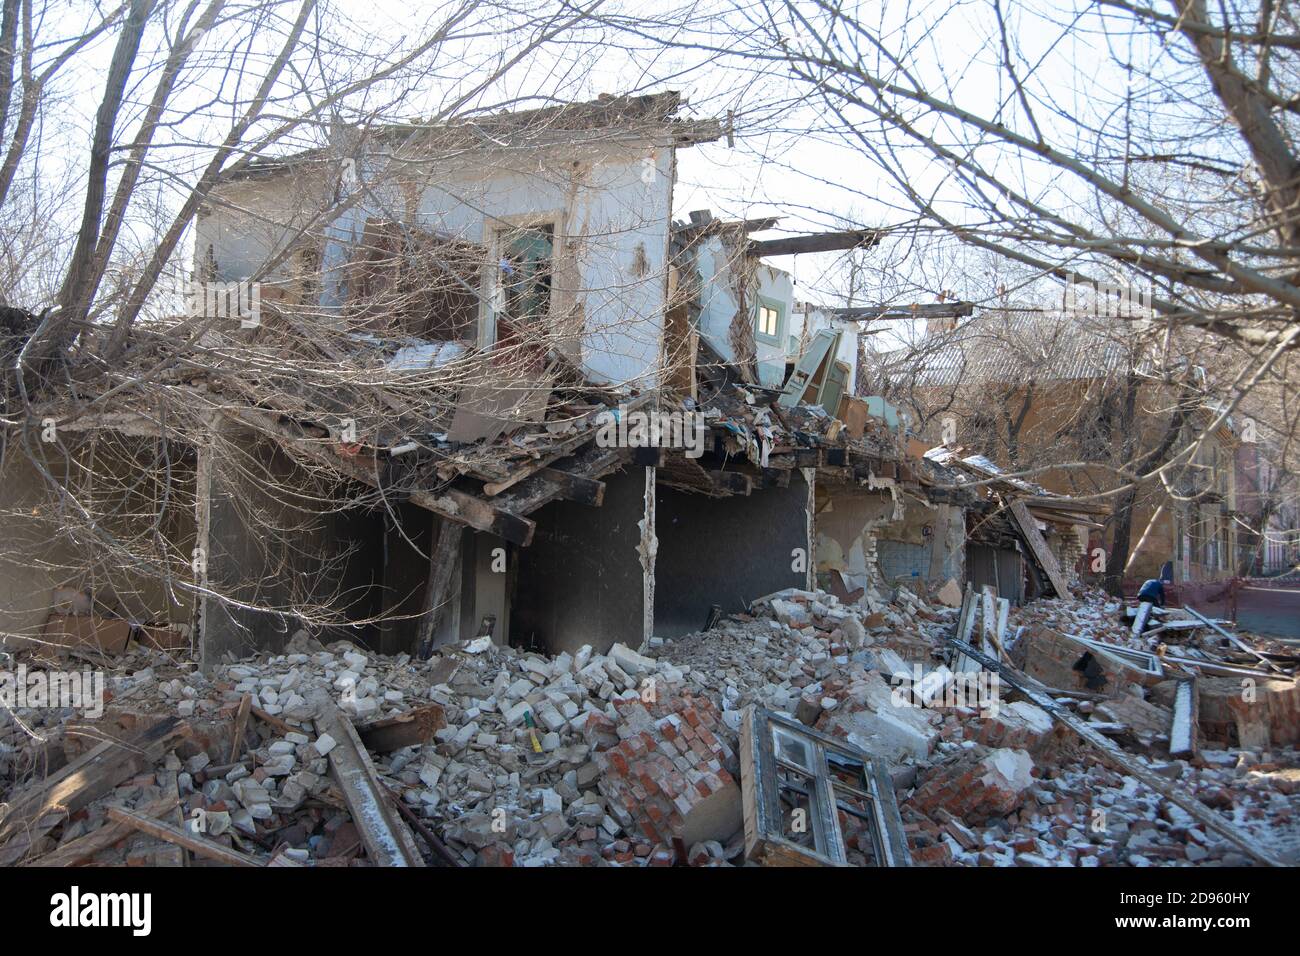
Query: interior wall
x=726 y=551
x=580 y=581
x=275 y=555
x=41 y=551
x=489 y=569
x=926 y=544
x=848 y=519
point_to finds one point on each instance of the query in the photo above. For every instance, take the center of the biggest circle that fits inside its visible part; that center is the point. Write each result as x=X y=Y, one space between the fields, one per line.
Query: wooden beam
x=927 y=310
x=815 y=242
x=1232 y=638
x=537 y=491
x=87 y=845
x=34 y=813
x=585 y=491
x=241 y=723
x=563 y=449
x=387 y=839
x=1034 y=538
x=443 y=563
x=176 y=835
x=407 y=729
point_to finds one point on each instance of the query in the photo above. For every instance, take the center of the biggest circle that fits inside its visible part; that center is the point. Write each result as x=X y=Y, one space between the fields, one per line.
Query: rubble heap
x=629 y=757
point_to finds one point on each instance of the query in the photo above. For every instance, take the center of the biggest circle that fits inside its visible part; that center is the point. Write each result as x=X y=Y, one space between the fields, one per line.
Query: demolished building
x=513 y=522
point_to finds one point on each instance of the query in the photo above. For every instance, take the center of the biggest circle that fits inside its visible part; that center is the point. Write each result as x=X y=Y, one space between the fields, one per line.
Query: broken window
x=524 y=282
x=810 y=799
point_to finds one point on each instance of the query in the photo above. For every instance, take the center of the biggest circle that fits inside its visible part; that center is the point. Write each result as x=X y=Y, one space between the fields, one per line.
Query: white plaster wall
x=611 y=202
x=720 y=270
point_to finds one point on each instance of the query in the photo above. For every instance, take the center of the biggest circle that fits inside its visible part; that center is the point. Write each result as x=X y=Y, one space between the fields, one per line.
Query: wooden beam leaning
x=176 y=835
x=1034 y=538
x=444 y=562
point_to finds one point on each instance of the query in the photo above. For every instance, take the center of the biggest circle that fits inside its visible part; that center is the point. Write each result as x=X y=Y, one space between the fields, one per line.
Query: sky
x=788 y=157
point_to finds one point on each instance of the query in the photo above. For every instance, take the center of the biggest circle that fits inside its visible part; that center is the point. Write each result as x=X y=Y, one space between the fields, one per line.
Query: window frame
x=782 y=320
x=495 y=229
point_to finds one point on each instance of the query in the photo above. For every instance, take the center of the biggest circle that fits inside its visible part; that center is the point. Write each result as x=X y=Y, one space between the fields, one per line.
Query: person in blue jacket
x=1152 y=590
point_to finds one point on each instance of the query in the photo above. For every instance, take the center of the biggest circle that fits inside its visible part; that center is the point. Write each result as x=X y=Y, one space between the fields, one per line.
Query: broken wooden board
x=40 y=809
x=178 y=836
x=1042 y=553
x=1232 y=638
x=388 y=841
x=410 y=728
x=77 y=851
x=1111 y=753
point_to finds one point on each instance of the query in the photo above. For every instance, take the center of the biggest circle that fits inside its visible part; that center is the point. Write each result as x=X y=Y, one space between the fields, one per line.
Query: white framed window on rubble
x=518 y=285
x=799 y=784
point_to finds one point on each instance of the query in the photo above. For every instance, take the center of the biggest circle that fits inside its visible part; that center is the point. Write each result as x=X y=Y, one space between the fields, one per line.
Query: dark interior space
x=725 y=551
x=580 y=581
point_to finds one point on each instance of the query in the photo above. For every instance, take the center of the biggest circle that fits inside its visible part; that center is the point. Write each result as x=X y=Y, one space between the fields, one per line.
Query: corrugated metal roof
x=999 y=348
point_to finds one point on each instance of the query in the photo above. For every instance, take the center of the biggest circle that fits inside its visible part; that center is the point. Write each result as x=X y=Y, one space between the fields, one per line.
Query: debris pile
x=495 y=757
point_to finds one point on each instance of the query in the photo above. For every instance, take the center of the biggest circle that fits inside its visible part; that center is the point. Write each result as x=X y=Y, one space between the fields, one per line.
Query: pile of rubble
x=498 y=757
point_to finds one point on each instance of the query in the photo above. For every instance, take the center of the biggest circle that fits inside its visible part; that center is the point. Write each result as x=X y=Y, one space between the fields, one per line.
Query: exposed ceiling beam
x=816 y=242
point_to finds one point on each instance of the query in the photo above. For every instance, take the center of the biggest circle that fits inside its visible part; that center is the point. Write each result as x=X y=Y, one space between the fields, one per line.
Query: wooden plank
x=443 y=564
x=1111 y=753
x=1034 y=538
x=87 y=845
x=988 y=629
x=1233 y=638
x=553 y=454
x=241 y=725
x=37 y=811
x=814 y=242
x=585 y=491
x=387 y=839
x=965 y=628
x=283 y=726
x=537 y=491
x=179 y=837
